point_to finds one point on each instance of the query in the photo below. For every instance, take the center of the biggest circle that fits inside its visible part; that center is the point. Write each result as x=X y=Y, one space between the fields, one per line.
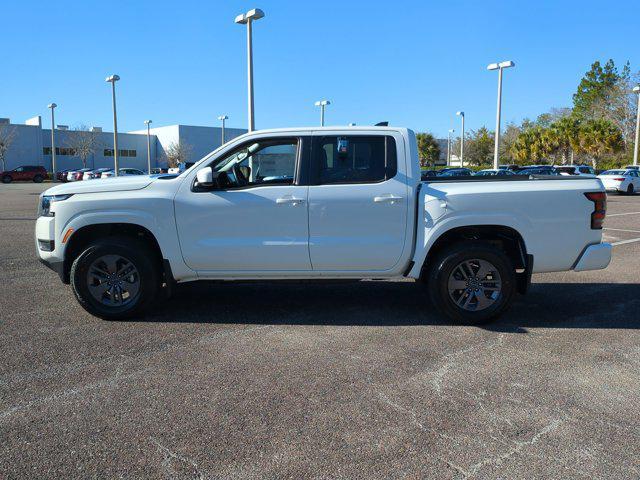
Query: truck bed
x=509 y=178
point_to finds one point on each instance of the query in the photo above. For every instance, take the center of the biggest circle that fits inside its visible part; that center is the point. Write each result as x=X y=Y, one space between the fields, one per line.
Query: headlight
x=45 y=204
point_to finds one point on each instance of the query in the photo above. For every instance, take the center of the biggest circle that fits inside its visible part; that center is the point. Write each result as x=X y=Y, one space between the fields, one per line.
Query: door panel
x=244 y=230
x=356 y=226
x=257 y=219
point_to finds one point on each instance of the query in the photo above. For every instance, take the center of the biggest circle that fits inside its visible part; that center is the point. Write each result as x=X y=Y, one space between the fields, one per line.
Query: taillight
x=599 y=200
x=619 y=179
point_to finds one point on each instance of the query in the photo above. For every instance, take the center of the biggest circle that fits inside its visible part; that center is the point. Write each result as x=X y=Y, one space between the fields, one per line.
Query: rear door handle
x=387 y=198
x=289 y=200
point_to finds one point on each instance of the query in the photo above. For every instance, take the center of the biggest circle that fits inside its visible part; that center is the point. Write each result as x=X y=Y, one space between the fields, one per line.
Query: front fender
x=162 y=227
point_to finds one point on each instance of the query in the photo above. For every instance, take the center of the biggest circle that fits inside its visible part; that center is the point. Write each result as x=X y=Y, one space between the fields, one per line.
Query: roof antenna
x=382 y=124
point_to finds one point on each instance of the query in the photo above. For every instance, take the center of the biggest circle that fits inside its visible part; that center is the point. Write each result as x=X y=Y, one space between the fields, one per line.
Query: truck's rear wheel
x=471 y=282
x=115 y=278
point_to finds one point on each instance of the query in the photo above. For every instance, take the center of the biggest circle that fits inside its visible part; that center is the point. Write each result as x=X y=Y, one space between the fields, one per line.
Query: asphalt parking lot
x=308 y=380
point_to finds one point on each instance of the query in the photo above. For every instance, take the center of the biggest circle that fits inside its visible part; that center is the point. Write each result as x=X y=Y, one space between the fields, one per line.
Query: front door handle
x=390 y=198
x=289 y=200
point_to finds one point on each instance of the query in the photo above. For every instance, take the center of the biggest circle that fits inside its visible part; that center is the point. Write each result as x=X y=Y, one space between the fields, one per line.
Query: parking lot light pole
x=222 y=118
x=52 y=106
x=451 y=130
x=248 y=18
x=148 y=123
x=500 y=67
x=636 y=90
x=461 y=115
x=322 y=104
x=112 y=80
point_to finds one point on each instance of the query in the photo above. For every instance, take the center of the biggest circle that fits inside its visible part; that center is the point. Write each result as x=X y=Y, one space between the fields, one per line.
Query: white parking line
x=620 y=214
x=622 y=230
x=622 y=242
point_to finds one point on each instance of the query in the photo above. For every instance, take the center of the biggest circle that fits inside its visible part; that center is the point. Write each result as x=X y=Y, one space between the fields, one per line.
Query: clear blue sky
x=413 y=63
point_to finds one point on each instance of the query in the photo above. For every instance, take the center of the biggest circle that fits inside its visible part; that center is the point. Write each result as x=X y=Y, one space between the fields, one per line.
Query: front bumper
x=594 y=257
x=49 y=251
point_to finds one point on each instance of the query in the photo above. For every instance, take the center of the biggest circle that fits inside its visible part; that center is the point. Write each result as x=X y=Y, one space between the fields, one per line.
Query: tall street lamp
x=112 y=80
x=451 y=130
x=635 y=148
x=148 y=123
x=500 y=67
x=461 y=114
x=322 y=104
x=52 y=106
x=248 y=18
x=222 y=118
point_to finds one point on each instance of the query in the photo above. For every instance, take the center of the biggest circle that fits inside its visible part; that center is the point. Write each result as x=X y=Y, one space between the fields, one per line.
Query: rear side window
x=353 y=159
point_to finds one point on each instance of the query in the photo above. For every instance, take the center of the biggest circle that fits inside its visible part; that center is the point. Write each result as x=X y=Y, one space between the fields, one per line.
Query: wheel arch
x=88 y=233
x=504 y=237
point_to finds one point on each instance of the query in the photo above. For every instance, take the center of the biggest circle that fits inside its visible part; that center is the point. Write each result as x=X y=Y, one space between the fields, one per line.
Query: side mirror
x=204 y=177
x=207 y=179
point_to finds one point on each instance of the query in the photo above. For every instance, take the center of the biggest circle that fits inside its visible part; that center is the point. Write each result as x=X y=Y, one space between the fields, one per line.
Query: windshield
x=613 y=172
x=570 y=170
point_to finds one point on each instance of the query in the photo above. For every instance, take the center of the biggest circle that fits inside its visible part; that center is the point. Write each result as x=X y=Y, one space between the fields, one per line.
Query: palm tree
x=566 y=137
x=598 y=138
x=531 y=145
x=428 y=149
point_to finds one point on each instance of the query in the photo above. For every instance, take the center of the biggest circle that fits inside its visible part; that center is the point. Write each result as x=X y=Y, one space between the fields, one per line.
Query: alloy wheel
x=474 y=285
x=113 y=280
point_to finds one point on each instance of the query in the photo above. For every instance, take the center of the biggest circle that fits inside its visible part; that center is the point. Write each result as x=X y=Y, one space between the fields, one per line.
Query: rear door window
x=353 y=159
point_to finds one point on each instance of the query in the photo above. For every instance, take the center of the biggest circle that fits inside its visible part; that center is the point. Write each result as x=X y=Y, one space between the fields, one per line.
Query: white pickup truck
x=319 y=203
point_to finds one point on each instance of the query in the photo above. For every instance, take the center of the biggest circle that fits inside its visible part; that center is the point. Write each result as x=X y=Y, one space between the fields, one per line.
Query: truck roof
x=331 y=128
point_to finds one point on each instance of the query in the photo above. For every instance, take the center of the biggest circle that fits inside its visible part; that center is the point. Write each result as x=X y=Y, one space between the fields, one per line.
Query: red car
x=26 y=173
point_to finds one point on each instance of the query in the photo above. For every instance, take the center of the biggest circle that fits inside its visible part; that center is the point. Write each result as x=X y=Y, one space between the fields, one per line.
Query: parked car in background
x=123 y=172
x=92 y=174
x=61 y=176
x=499 y=172
x=454 y=172
x=621 y=181
x=182 y=166
x=580 y=170
x=514 y=168
x=632 y=167
x=428 y=173
x=537 y=170
x=25 y=173
x=76 y=175
x=158 y=171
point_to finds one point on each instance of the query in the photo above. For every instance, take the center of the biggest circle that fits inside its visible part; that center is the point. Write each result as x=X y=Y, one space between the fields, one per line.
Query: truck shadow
x=380 y=303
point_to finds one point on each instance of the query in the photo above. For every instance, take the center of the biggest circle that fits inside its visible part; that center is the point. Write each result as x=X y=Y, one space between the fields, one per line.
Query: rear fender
x=429 y=233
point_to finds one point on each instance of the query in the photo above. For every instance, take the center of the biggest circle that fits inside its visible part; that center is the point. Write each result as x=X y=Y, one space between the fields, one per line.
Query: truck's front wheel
x=471 y=282
x=115 y=278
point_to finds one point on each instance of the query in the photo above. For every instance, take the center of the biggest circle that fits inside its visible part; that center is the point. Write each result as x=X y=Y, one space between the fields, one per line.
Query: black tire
x=7 y=179
x=148 y=276
x=630 y=189
x=38 y=179
x=442 y=268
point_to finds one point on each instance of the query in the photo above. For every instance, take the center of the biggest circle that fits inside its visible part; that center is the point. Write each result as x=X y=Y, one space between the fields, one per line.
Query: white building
x=30 y=144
